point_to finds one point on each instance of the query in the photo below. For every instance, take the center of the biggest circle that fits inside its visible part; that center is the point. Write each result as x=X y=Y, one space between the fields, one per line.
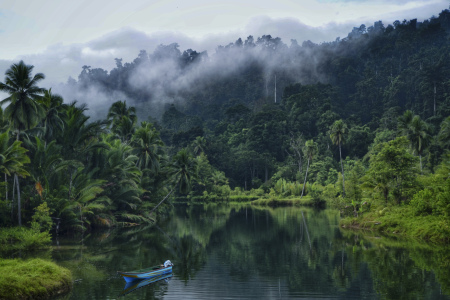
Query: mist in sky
x=59 y=37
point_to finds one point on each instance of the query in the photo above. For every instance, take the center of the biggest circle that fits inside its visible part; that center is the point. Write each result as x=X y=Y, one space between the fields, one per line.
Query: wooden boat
x=148 y=272
x=137 y=284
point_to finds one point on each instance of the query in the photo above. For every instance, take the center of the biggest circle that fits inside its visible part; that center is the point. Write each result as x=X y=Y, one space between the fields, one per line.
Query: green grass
x=22 y=238
x=32 y=279
x=403 y=221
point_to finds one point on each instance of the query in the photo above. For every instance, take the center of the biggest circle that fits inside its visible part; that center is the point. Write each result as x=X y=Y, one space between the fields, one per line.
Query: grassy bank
x=258 y=199
x=402 y=220
x=32 y=279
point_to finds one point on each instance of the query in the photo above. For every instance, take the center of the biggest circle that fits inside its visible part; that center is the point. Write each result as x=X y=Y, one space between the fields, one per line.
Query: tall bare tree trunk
x=434 y=99
x=342 y=167
x=6 y=187
x=420 y=158
x=306 y=175
x=19 y=213
x=275 y=88
x=16 y=178
x=162 y=200
x=12 y=200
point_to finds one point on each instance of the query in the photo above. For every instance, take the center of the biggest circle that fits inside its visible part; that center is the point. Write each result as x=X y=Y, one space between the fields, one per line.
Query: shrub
x=41 y=220
x=21 y=238
x=420 y=202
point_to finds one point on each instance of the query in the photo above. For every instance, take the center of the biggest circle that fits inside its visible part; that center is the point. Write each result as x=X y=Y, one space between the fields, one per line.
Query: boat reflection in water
x=137 y=284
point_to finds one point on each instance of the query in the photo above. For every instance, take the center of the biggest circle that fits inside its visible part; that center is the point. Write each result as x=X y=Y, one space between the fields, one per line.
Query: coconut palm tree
x=86 y=203
x=12 y=160
x=52 y=104
x=183 y=171
x=24 y=112
x=46 y=162
x=310 y=150
x=417 y=131
x=124 y=128
x=198 y=145
x=404 y=122
x=123 y=181
x=147 y=147
x=78 y=138
x=338 y=132
x=119 y=109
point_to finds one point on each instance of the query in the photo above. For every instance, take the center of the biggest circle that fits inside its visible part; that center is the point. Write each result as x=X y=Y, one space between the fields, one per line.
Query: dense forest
x=360 y=122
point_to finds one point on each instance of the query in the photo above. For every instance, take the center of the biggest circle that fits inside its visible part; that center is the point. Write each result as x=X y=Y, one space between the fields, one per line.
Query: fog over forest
x=169 y=74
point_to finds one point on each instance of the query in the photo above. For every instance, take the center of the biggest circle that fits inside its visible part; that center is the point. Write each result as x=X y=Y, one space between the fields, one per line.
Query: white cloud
x=83 y=40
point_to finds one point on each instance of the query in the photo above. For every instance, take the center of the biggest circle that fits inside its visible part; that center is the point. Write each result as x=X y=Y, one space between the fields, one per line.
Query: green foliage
x=228 y=133
x=286 y=188
x=444 y=134
x=24 y=111
x=316 y=194
x=21 y=238
x=41 y=220
x=392 y=171
x=422 y=202
x=435 y=197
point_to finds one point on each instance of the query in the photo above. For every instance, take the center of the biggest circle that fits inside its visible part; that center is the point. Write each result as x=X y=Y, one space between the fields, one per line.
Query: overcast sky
x=60 y=36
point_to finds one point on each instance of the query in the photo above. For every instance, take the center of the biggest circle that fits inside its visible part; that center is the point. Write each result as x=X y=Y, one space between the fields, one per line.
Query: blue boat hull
x=137 y=284
x=132 y=276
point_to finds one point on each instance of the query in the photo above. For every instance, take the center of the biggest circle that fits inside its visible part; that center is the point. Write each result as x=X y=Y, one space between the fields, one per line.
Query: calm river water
x=242 y=252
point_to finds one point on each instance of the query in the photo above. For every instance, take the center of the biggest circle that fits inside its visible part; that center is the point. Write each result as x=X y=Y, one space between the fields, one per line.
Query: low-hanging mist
x=169 y=75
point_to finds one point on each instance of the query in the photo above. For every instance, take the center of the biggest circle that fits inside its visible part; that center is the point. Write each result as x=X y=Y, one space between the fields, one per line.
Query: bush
x=41 y=220
x=421 y=204
x=21 y=238
x=315 y=192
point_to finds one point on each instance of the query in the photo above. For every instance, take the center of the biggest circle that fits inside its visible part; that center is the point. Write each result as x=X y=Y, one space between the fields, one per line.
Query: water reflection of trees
x=314 y=256
x=303 y=248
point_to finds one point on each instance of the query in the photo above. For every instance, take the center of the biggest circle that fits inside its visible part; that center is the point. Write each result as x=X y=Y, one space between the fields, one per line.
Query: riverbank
x=272 y=202
x=264 y=201
x=402 y=221
x=32 y=279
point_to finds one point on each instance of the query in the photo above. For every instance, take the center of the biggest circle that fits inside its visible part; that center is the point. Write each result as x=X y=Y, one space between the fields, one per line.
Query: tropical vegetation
x=364 y=129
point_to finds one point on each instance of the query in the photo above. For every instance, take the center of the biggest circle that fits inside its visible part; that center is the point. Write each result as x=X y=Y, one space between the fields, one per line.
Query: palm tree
x=86 y=201
x=404 y=122
x=46 y=162
x=52 y=104
x=198 y=145
x=419 y=137
x=338 y=132
x=12 y=159
x=310 y=150
x=23 y=111
x=417 y=132
x=123 y=181
x=78 y=138
x=444 y=133
x=147 y=147
x=183 y=171
x=119 y=109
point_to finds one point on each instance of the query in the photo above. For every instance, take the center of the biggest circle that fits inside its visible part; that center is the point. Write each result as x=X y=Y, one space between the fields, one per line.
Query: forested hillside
x=250 y=122
x=356 y=122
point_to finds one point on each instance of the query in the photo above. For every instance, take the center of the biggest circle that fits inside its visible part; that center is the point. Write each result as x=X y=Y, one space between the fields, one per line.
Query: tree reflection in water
x=300 y=250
